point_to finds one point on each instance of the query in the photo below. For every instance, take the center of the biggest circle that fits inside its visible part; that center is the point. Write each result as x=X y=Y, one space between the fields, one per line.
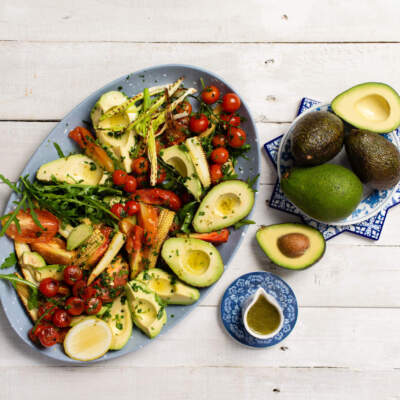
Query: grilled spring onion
x=152 y=154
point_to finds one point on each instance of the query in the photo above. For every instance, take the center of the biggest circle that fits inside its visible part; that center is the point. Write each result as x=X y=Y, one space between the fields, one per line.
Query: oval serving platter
x=129 y=84
x=372 y=201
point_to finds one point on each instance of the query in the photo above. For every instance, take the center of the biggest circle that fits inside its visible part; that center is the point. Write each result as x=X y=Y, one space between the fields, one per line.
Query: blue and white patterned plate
x=373 y=200
x=245 y=286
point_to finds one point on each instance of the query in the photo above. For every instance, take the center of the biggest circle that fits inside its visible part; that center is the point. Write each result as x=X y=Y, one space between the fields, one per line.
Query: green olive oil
x=263 y=317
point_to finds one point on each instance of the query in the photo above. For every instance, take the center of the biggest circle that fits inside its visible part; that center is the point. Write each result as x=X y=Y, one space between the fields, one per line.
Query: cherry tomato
x=61 y=319
x=130 y=184
x=89 y=292
x=48 y=336
x=49 y=287
x=79 y=289
x=29 y=231
x=236 y=137
x=132 y=207
x=230 y=120
x=101 y=291
x=118 y=209
x=230 y=102
x=198 y=123
x=220 y=155
x=142 y=181
x=119 y=177
x=93 y=305
x=216 y=173
x=210 y=94
x=63 y=290
x=75 y=306
x=72 y=274
x=140 y=165
x=219 y=141
x=32 y=336
x=49 y=309
x=161 y=175
x=184 y=107
x=62 y=332
x=159 y=197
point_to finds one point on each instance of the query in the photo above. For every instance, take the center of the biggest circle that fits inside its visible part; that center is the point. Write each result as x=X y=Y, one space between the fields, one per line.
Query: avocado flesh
x=107 y=101
x=170 y=289
x=76 y=168
x=223 y=206
x=316 y=138
x=372 y=106
x=120 y=323
x=147 y=309
x=194 y=261
x=180 y=160
x=327 y=192
x=373 y=158
x=267 y=238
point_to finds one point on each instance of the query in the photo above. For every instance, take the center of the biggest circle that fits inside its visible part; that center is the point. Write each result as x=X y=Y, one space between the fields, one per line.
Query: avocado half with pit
x=372 y=106
x=290 y=245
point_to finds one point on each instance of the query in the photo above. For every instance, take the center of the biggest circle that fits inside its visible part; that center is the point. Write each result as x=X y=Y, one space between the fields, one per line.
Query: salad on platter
x=108 y=237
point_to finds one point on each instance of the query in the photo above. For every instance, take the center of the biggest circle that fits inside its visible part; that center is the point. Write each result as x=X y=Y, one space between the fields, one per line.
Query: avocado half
x=372 y=106
x=292 y=246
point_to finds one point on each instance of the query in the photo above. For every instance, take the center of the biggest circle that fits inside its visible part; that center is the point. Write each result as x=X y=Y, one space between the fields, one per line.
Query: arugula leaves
x=13 y=278
x=10 y=261
x=58 y=149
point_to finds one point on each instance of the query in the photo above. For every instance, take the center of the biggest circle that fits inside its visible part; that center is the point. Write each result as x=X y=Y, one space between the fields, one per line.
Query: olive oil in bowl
x=262 y=315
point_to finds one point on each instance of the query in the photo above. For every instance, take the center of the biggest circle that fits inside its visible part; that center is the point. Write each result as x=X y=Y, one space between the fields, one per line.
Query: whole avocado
x=317 y=138
x=373 y=158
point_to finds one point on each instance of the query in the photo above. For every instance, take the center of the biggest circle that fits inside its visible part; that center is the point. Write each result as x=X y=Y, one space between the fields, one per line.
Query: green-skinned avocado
x=373 y=158
x=317 y=138
x=327 y=192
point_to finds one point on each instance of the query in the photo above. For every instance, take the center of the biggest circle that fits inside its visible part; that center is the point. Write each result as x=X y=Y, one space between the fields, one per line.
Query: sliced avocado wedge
x=76 y=168
x=178 y=158
x=223 y=206
x=79 y=235
x=194 y=261
x=168 y=287
x=107 y=101
x=147 y=309
x=120 y=323
x=291 y=246
x=372 y=106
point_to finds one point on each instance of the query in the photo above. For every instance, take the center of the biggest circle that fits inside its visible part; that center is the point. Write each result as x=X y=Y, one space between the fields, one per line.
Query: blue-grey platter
x=129 y=84
x=245 y=286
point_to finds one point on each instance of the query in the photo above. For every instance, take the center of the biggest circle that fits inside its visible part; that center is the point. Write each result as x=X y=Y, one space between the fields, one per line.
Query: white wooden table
x=346 y=343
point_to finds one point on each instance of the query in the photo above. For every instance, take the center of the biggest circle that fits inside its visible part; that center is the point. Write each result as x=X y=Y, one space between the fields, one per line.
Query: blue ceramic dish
x=129 y=84
x=245 y=286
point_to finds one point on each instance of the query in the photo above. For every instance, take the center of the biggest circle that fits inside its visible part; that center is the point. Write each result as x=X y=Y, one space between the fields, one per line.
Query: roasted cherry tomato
x=130 y=184
x=79 y=289
x=158 y=197
x=132 y=207
x=93 y=305
x=184 y=107
x=219 y=141
x=161 y=175
x=48 y=336
x=61 y=319
x=49 y=287
x=74 y=306
x=72 y=274
x=220 y=155
x=148 y=220
x=89 y=292
x=216 y=173
x=198 y=123
x=221 y=236
x=142 y=181
x=230 y=102
x=236 y=137
x=101 y=291
x=210 y=94
x=118 y=209
x=230 y=120
x=119 y=177
x=140 y=165
x=63 y=290
x=29 y=231
x=48 y=309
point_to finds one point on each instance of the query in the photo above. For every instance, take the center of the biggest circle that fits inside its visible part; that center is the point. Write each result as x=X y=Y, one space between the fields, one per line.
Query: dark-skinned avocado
x=326 y=192
x=316 y=138
x=292 y=246
x=374 y=159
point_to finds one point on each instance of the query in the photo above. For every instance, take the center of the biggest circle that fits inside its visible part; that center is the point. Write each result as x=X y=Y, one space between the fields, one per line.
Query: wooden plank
x=364 y=339
x=178 y=21
x=48 y=79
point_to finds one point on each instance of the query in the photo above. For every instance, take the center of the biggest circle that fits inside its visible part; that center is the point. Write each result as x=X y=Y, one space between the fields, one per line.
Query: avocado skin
x=327 y=192
x=317 y=138
x=373 y=158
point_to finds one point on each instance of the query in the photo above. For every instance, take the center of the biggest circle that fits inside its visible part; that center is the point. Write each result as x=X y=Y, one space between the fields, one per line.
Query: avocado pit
x=293 y=245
